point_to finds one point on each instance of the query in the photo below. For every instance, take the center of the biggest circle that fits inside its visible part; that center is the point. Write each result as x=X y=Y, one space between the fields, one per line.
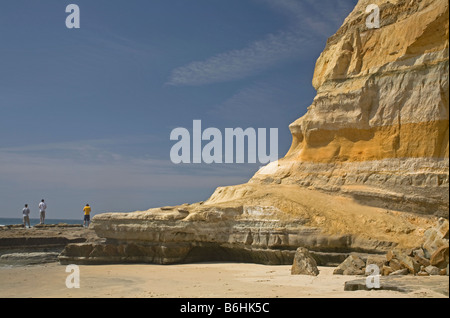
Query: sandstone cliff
x=378 y=127
x=367 y=169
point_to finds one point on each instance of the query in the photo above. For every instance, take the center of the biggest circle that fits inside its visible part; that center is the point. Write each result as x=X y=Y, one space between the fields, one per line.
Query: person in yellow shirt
x=87 y=215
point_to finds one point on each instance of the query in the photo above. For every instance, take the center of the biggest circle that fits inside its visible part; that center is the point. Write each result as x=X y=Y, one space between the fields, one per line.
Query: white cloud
x=310 y=23
x=237 y=64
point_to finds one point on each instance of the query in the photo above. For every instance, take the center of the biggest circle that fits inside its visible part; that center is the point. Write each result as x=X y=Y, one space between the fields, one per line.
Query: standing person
x=42 y=208
x=26 y=216
x=87 y=215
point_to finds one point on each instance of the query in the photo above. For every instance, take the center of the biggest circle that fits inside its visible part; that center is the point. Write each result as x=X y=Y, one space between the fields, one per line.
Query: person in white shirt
x=26 y=216
x=42 y=208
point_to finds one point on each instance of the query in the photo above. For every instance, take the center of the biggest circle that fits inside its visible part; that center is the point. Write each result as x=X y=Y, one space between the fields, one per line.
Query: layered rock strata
x=378 y=128
x=257 y=228
x=39 y=244
x=367 y=170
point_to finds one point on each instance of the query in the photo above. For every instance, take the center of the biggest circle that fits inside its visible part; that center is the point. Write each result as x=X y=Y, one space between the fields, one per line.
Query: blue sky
x=86 y=114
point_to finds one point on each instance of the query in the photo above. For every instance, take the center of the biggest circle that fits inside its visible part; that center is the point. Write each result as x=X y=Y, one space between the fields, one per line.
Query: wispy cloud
x=81 y=151
x=95 y=164
x=237 y=64
x=312 y=17
x=309 y=23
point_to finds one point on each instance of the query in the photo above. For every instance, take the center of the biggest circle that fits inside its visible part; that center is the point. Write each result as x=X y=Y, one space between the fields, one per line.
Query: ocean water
x=12 y=221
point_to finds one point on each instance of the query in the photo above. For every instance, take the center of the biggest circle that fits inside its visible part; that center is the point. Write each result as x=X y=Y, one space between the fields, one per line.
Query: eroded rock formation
x=378 y=127
x=367 y=170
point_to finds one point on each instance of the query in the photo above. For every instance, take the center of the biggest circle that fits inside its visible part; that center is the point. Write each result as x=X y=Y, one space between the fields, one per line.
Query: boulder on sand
x=304 y=263
x=353 y=265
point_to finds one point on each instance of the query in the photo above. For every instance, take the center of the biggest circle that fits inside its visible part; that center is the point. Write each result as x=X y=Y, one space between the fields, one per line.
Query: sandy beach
x=204 y=280
x=195 y=280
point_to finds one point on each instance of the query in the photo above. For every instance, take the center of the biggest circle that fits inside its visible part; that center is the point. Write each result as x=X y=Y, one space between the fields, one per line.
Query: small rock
x=390 y=255
x=419 y=252
x=304 y=263
x=407 y=261
x=419 y=257
x=440 y=257
x=436 y=237
x=432 y=270
x=423 y=273
x=443 y=227
x=386 y=270
x=379 y=260
x=403 y=271
x=353 y=265
x=395 y=264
